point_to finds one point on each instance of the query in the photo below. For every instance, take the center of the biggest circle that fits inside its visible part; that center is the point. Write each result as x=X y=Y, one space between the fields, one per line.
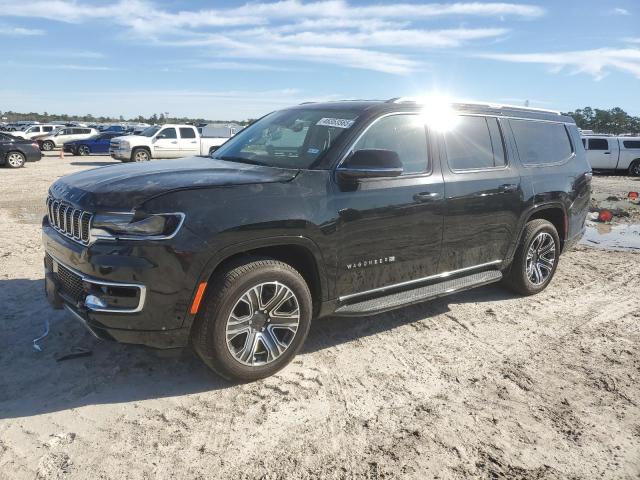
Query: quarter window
x=403 y=134
x=475 y=143
x=631 y=144
x=541 y=143
x=598 y=144
x=187 y=133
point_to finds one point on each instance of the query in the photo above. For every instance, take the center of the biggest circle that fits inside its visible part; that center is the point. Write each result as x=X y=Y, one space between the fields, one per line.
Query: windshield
x=150 y=132
x=293 y=138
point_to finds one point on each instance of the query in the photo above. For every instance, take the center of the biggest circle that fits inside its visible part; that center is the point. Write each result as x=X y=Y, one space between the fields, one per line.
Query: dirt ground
x=483 y=384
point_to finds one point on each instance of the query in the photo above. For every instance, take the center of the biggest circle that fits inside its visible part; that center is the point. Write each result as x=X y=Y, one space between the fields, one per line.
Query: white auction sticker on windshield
x=335 y=122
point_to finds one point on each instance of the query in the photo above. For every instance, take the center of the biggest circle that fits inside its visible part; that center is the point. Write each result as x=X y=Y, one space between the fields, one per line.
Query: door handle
x=174 y=142
x=607 y=153
x=508 y=187
x=194 y=142
x=426 y=196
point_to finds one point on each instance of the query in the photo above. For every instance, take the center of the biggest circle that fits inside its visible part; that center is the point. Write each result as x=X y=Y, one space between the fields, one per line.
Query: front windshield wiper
x=241 y=160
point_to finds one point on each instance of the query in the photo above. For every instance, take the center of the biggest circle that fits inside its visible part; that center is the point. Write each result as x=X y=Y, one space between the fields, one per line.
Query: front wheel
x=634 y=168
x=15 y=160
x=140 y=155
x=48 y=146
x=83 y=150
x=536 y=259
x=255 y=319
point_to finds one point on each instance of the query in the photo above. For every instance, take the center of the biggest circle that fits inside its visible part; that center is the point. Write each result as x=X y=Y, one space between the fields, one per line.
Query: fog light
x=92 y=302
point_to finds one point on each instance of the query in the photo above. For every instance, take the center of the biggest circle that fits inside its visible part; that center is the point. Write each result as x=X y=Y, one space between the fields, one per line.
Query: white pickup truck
x=164 y=141
x=606 y=152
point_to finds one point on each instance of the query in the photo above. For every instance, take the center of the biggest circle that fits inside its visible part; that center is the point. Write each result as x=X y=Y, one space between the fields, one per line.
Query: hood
x=126 y=186
x=134 y=138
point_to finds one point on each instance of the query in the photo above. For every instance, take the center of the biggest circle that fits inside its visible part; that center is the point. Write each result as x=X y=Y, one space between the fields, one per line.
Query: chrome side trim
x=417 y=280
x=86 y=278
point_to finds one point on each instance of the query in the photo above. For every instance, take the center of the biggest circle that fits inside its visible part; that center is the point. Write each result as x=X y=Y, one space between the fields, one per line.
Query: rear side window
x=598 y=144
x=403 y=134
x=475 y=143
x=541 y=143
x=631 y=143
x=47 y=129
x=187 y=133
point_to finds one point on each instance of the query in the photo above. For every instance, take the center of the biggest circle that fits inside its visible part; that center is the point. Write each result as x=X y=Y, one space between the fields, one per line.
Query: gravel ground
x=483 y=384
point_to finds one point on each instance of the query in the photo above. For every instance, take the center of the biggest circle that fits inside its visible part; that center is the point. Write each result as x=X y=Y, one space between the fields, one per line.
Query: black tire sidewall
x=135 y=152
x=519 y=266
x=634 y=168
x=217 y=315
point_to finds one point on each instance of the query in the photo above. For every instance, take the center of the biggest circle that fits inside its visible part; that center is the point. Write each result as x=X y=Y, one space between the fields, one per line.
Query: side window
x=598 y=144
x=168 y=133
x=187 y=133
x=403 y=134
x=47 y=129
x=631 y=144
x=474 y=143
x=541 y=143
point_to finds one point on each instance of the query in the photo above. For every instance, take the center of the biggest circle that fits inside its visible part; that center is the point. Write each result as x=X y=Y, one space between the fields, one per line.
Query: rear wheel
x=634 y=168
x=140 y=155
x=15 y=160
x=536 y=259
x=48 y=145
x=255 y=319
x=83 y=150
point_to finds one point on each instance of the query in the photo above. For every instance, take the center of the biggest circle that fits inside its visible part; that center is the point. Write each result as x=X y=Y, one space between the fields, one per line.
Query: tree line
x=10 y=116
x=615 y=120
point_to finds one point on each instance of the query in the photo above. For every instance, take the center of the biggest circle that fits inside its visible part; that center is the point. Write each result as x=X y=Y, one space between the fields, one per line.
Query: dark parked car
x=97 y=145
x=346 y=208
x=14 y=152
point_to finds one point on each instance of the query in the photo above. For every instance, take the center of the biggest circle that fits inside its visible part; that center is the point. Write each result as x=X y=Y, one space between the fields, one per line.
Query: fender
x=221 y=255
x=525 y=219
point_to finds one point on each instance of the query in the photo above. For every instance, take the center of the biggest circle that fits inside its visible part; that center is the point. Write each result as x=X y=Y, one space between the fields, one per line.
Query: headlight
x=136 y=226
x=125 y=145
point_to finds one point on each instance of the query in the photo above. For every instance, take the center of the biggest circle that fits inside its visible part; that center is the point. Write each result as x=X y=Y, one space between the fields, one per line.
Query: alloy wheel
x=141 y=156
x=15 y=160
x=83 y=150
x=263 y=324
x=635 y=169
x=541 y=258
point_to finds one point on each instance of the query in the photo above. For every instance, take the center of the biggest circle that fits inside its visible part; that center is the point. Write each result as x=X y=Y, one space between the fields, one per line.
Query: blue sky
x=235 y=60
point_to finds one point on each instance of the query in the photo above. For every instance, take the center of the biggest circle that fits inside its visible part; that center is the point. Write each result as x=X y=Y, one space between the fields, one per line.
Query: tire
x=140 y=155
x=83 y=150
x=228 y=293
x=48 y=145
x=15 y=160
x=529 y=281
x=634 y=168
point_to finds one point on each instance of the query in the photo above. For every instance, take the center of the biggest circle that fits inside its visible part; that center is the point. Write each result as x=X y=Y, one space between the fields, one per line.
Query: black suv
x=345 y=208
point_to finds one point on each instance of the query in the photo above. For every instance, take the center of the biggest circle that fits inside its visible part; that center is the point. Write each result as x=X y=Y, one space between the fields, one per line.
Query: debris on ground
x=76 y=352
x=37 y=347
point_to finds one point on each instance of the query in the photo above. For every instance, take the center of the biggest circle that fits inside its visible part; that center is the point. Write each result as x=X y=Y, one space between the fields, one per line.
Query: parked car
x=164 y=141
x=96 y=145
x=63 y=135
x=345 y=208
x=607 y=152
x=37 y=131
x=14 y=152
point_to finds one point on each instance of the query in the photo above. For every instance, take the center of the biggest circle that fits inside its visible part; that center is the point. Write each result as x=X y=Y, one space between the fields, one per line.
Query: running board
x=418 y=295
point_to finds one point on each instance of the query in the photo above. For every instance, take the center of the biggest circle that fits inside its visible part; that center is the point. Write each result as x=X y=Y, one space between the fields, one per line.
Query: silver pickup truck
x=167 y=141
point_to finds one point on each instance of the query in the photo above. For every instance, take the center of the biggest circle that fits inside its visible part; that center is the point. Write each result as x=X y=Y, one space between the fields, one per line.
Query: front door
x=165 y=144
x=602 y=152
x=482 y=195
x=390 y=229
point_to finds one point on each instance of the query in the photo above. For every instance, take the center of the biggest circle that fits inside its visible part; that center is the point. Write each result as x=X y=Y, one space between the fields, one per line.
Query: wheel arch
x=141 y=147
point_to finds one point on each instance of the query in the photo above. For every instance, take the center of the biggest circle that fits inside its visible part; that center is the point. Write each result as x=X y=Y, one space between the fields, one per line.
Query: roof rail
x=474 y=103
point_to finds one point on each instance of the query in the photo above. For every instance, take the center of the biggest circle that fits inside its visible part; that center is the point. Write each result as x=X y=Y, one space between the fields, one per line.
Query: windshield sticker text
x=335 y=122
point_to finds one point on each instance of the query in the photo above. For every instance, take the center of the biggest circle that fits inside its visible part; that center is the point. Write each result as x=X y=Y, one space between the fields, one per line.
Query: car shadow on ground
x=94 y=163
x=35 y=383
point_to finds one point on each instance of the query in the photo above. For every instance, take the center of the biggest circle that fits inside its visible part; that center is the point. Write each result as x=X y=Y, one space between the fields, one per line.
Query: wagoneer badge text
x=369 y=263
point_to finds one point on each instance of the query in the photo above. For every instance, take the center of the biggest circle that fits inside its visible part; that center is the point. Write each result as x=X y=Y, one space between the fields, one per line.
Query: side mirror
x=370 y=164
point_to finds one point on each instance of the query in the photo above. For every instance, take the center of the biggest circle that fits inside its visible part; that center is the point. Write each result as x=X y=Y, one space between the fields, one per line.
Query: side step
x=417 y=295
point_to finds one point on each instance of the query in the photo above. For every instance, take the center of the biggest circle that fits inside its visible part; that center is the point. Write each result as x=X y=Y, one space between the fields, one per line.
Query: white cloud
x=9 y=31
x=597 y=63
x=620 y=11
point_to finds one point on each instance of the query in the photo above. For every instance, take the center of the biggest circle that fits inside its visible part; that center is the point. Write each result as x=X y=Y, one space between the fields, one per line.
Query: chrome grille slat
x=69 y=221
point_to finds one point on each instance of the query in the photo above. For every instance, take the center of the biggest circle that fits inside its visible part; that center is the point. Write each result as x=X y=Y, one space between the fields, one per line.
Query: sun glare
x=438 y=113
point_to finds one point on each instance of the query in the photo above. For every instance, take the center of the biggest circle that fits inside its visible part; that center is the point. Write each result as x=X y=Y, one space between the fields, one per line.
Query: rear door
x=483 y=200
x=189 y=142
x=602 y=152
x=165 y=144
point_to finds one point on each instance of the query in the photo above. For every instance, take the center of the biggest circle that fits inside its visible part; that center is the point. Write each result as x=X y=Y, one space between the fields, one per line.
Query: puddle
x=612 y=237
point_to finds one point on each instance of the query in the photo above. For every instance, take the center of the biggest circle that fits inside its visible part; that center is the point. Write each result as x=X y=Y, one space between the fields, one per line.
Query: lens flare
x=438 y=113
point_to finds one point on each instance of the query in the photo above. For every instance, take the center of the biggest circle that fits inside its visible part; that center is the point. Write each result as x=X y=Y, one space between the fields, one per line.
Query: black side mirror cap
x=372 y=163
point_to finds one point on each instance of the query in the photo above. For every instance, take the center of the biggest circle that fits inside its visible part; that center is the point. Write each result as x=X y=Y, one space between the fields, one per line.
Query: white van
x=37 y=130
x=607 y=152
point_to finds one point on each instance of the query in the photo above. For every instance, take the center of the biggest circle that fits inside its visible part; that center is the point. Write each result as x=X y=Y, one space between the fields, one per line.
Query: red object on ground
x=605 y=216
x=632 y=196
x=62 y=152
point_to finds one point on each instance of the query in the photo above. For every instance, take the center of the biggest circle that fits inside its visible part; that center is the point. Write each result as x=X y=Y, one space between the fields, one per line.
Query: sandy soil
x=482 y=384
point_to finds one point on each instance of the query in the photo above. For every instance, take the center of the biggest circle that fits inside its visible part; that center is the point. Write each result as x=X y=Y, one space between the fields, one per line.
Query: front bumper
x=123 y=292
x=120 y=153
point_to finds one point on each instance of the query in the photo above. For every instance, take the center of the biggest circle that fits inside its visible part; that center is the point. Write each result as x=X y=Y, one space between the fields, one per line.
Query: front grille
x=71 y=222
x=70 y=283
